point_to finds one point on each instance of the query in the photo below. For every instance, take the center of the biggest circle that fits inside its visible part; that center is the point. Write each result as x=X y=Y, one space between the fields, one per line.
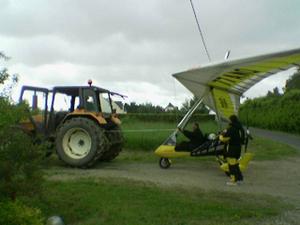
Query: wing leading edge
x=222 y=84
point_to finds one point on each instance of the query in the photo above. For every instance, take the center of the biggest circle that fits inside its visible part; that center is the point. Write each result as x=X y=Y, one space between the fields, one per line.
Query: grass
x=145 y=135
x=139 y=144
x=266 y=149
x=117 y=202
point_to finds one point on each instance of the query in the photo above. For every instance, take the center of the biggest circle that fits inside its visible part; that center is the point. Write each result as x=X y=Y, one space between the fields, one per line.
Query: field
x=148 y=135
x=134 y=190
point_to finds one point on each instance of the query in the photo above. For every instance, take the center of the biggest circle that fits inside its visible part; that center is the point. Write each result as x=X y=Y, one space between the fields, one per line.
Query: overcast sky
x=133 y=46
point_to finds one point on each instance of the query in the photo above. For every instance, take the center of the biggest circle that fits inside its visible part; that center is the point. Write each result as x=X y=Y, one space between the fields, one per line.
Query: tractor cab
x=67 y=101
x=78 y=100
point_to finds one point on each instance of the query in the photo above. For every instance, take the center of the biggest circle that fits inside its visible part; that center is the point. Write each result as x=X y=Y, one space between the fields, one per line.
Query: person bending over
x=195 y=137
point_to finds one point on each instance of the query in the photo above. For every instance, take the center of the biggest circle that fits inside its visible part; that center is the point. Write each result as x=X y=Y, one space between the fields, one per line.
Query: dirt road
x=277 y=178
x=289 y=139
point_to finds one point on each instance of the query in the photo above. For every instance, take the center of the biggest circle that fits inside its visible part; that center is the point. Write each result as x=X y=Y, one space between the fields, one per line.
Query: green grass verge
x=139 y=147
x=137 y=142
x=117 y=202
x=148 y=135
x=266 y=149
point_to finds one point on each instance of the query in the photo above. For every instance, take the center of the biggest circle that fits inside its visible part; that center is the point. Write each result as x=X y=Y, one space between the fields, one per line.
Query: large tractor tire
x=80 y=142
x=116 y=141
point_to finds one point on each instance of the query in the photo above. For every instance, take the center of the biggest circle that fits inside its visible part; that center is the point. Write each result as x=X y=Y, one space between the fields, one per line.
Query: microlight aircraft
x=220 y=87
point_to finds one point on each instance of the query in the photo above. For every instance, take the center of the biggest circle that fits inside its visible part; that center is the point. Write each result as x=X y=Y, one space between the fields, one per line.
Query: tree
x=142 y=108
x=274 y=93
x=7 y=78
x=293 y=82
x=20 y=159
x=202 y=109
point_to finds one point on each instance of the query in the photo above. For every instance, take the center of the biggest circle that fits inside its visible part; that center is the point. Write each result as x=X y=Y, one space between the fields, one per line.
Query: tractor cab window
x=62 y=102
x=37 y=101
x=90 y=101
x=117 y=103
x=105 y=103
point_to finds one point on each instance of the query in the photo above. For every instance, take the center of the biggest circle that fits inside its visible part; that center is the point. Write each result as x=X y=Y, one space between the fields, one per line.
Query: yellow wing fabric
x=222 y=84
x=224 y=103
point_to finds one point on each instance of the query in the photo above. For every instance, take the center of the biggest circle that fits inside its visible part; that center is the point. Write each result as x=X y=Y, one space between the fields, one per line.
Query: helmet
x=212 y=136
x=55 y=220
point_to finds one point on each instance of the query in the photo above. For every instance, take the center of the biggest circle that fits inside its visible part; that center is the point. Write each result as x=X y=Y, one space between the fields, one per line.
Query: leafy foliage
x=5 y=78
x=189 y=103
x=16 y=213
x=20 y=159
x=20 y=169
x=293 y=82
x=149 y=108
x=275 y=112
x=143 y=108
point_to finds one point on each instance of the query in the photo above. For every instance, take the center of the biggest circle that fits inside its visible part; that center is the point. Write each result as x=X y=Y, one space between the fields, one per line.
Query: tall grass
x=148 y=135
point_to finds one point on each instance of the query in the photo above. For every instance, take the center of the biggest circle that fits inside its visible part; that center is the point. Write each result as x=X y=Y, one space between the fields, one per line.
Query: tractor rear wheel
x=80 y=142
x=116 y=141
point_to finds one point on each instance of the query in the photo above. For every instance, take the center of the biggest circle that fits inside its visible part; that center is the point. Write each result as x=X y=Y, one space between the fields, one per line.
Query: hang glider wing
x=222 y=84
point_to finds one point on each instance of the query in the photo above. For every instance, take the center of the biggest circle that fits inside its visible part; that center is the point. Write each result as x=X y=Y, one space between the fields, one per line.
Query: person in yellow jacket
x=234 y=137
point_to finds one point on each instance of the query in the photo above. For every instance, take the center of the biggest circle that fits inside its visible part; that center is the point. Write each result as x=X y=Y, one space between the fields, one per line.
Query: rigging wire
x=200 y=31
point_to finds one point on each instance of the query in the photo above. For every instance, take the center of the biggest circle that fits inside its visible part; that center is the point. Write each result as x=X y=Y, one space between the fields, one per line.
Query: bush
x=273 y=112
x=16 y=213
x=20 y=159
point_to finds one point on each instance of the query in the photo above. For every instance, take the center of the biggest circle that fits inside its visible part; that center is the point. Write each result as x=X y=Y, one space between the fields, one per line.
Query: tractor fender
x=97 y=117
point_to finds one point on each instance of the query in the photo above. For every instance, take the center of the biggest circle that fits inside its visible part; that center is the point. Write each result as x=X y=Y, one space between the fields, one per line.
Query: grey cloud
x=139 y=41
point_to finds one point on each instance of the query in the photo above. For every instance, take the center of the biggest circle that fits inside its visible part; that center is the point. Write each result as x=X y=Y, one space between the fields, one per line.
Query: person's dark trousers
x=235 y=172
x=234 y=153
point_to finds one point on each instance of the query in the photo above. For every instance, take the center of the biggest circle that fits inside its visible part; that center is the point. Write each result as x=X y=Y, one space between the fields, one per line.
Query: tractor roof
x=70 y=90
x=74 y=90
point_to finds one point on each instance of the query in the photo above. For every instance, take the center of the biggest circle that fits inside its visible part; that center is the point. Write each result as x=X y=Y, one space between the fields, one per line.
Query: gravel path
x=290 y=139
x=279 y=178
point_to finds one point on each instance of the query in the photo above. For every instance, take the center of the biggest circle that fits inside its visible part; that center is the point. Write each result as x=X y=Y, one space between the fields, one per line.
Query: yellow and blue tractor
x=78 y=121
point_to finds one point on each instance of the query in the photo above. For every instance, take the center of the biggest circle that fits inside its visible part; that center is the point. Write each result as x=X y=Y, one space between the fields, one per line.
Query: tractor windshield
x=105 y=103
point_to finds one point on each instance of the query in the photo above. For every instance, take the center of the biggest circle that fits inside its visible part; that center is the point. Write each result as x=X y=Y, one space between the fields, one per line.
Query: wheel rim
x=77 y=143
x=165 y=162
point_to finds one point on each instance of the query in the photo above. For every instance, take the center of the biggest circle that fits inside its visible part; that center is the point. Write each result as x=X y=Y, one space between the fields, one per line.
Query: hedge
x=273 y=112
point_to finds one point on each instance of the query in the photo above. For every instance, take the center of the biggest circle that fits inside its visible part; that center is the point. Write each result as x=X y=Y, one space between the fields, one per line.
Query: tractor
x=80 y=124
